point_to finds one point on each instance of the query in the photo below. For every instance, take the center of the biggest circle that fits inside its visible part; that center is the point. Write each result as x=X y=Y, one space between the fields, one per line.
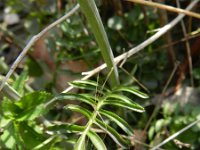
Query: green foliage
x=16 y=117
x=96 y=116
x=175 y=117
x=21 y=130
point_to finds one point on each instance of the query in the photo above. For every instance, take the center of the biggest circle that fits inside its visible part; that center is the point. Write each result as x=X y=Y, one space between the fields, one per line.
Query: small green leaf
x=34 y=68
x=96 y=140
x=9 y=137
x=66 y=128
x=112 y=133
x=134 y=106
x=87 y=85
x=30 y=137
x=118 y=120
x=159 y=124
x=47 y=144
x=116 y=23
x=79 y=97
x=20 y=82
x=120 y=98
x=80 y=145
x=32 y=105
x=151 y=132
x=9 y=109
x=132 y=91
x=84 y=84
x=79 y=109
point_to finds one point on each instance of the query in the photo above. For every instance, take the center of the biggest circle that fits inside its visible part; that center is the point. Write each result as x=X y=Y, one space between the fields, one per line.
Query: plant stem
x=89 y=124
x=90 y=10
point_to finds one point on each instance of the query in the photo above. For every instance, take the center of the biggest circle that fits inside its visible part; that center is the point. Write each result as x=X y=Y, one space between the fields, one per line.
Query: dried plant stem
x=167 y=37
x=166 y=7
x=187 y=44
x=188 y=37
x=32 y=41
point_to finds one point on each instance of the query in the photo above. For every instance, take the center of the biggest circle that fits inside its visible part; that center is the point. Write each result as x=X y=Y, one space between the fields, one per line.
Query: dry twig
x=187 y=44
x=166 y=7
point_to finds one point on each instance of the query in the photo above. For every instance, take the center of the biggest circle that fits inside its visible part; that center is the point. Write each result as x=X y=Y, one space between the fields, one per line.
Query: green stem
x=90 y=10
x=89 y=125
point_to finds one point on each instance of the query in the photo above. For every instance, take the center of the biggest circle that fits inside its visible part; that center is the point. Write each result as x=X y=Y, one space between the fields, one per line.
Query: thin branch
x=187 y=44
x=32 y=42
x=166 y=7
x=176 y=134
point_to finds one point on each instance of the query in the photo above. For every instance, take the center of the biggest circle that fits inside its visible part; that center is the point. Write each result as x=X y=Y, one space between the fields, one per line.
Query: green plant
x=21 y=129
x=175 y=117
x=96 y=115
x=101 y=99
x=90 y=10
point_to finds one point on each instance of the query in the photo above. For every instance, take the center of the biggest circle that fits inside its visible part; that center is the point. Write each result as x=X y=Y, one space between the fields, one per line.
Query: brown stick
x=166 y=7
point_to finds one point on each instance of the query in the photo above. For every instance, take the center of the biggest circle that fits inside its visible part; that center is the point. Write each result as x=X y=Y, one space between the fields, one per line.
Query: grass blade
x=96 y=140
x=112 y=133
x=120 y=98
x=118 y=120
x=132 y=91
x=84 y=84
x=79 y=109
x=71 y=96
x=90 y=10
x=134 y=106
x=66 y=128
x=80 y=145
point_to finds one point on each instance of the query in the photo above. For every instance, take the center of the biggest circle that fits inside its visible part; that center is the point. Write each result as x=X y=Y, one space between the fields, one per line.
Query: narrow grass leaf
x=120 y=98
x=132 y=91
x=91 y=12
x=80 y=145
x=96 y=140
x=47 y=143
x=78 y=97
x=87 y=85
x=20 y=82
x=112 y=133
x=84 y=84
x=79 y=109
x=118 y=120
x=134 y=106
x=66 y=128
